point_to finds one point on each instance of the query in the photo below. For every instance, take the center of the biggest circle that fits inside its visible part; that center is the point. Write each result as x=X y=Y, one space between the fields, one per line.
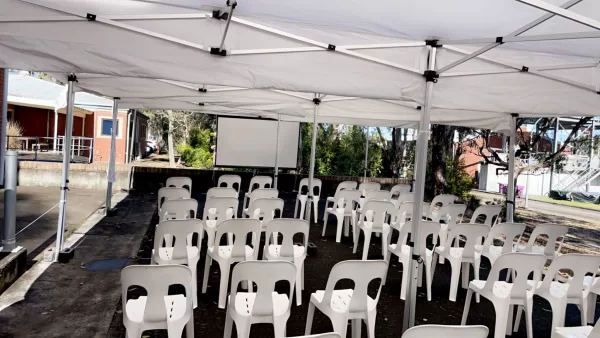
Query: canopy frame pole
x=233 y=5
x=131 y=151
x=515 y=33
x=276 y=171
x=506 y=71
x=62 y=211
x=419 y=190
x=366 y=155
x=582 y=19
x=110 y=177
x=510 y=186
x=4 y=121
x=320 y=49
x=313 y=151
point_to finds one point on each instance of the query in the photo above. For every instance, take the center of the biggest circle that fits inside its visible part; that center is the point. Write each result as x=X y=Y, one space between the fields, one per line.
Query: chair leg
x=316 y=210
x=371 y=318
x=384 y=242
x=356 y=237
x=529 y=317
x=428 y=279
x=175 y=329
x=340 y=325
x=338 y=230
x=325 y=222
x=302 y=276
x=206 y=272
x=309 y=318
x=520 y=310
x=296 y=207
x=228 y=325
x=584 y=311
x=279 y=324
x=346 y=226
x=476 y=266
x=465 y=275
x=509 y=319
x=501 y=320
x=467 y=307
x=420 y=276
x=356 y=327
x=591 y=308
x=366 y=245
x=224 y=284
x=405 y=276
x=302 y=215
x=189 y=328
x=298 y=286
x=454 y=280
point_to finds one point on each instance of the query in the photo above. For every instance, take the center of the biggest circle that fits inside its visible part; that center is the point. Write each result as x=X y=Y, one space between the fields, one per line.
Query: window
x=107 y=125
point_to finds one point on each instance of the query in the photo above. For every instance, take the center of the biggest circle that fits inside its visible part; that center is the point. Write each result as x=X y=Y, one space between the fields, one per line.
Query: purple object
x=520 y=189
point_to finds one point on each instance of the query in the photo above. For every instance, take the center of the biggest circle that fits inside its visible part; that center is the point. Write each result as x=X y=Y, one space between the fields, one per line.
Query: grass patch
x=568 y=203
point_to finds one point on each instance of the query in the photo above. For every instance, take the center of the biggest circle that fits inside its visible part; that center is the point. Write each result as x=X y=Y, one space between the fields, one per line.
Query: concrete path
x=32 y=202
x=78 y=299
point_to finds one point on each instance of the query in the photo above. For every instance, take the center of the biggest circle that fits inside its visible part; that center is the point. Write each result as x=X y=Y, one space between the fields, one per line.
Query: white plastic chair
x=399 y=189
x=367 y=186
x=342 y=210
x=179 y=250
x=179 y=182
x=369 y=195
x=322 y=335
x=230 y=181
x=490 y=212
x=405 y=197
x=166 y=194
x=301 y=198
x=259 y=193
x=509 y=231
x=221 y=192
x=404 y=213
x=579 y=331
x=287 y=250
x=505 y=295
x=573 y=291
x=592 y=297
x=157 y=310
x=238 y=251
x=257 y=182
x=264 y=209
x=349 y=304
x=446 y=331
x=216 y=211
x=554 y=232
x=448 y=216
x=402 y=250
x=178 y=209
x=462 y=255
x=349 y=185
x=440 y=201
x=374 y=219
x=264 y=306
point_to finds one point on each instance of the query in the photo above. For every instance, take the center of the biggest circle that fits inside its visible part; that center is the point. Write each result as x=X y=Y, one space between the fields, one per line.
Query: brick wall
x=102 y=142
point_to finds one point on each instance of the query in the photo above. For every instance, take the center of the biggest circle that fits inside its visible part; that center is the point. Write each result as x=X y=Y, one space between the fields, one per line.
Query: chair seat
x=534 y=249
x=167 y=253
x=501 y=289
x=274 y=250
x=174 y=307
x=338 y=211
x=225 y=251
x=369 y=225
x=494 y=250
x=453 y=252
x=340 y=299
x=244 y=302
x=557 y=289
x=406 y=251
x=574 y=332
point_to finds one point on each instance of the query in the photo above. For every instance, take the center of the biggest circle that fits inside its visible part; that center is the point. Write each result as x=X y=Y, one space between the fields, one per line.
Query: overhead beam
x=504 y=71
x=525 y=38
x=562 y=13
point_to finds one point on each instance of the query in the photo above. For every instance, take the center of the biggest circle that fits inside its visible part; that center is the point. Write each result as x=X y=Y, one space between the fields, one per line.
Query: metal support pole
x=366 y=156
x=313 y=150
x=554 y=149
x=131 y=152
x=56 y=130
x=419 y=191
x=110 y=177
x=591 y=152
x=127 y=138
x=4 y=123
x=527 y=180
x=276 y=175
x=510 y=186
x=62 y=213
x=10 y=201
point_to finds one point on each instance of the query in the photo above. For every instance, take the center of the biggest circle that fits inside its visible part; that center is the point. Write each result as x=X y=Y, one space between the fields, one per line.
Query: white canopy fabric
x=380 y=50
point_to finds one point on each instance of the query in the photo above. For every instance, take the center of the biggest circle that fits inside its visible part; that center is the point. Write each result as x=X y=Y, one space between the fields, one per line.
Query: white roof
x=380 y=50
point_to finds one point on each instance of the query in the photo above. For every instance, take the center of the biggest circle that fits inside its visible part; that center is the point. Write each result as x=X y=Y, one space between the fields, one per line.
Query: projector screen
x=243 y=142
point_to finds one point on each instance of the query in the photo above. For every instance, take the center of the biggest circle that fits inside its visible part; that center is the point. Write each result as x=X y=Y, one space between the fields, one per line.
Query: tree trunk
x=170 y=141
x=441 y=150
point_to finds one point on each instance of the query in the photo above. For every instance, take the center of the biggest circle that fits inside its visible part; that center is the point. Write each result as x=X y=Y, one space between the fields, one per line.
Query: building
x=39 y=106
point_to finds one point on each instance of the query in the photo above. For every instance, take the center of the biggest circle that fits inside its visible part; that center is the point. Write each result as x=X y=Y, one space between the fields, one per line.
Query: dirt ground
x=209 y=319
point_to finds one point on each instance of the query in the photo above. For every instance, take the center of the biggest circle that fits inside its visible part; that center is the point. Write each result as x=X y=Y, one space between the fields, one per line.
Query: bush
x=13 y=128
x=195 y=157
x=459 y=181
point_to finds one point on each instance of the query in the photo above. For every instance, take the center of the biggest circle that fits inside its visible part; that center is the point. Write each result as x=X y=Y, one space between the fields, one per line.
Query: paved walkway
x=32 y=202
x=78 y=299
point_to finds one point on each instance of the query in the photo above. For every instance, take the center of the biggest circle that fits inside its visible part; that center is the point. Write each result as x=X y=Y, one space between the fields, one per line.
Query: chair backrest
x=442 y=200
x=322 y=335
x=220 y=209
x=523 y=264
x=553 y=231
x=406 y=197
x=426 y=229
x=221 y=192
x=366 y=186
x=288 y=228
x=165 y=194
x=351 y=185
x=579 y=265
x=362 y=273
x=156 y=279
x=260 y=182
x=491 y=213
x=263 y=193
x=446 y=331
x=240 y=228
x=265 y=274
x=377 y=212
x=266 y=208
x=377 y=195
x=509 y=230
x=316 y=183
x=346 y=199
x=451 y=214
x=181 y=231
x=178 y=209
x=230 y=181
x=404 y=211
x=473 y=234
x=179 y=182
x=399 y=189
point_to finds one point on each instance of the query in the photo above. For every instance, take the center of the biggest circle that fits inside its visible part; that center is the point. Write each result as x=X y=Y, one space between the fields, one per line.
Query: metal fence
x=43 y=148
